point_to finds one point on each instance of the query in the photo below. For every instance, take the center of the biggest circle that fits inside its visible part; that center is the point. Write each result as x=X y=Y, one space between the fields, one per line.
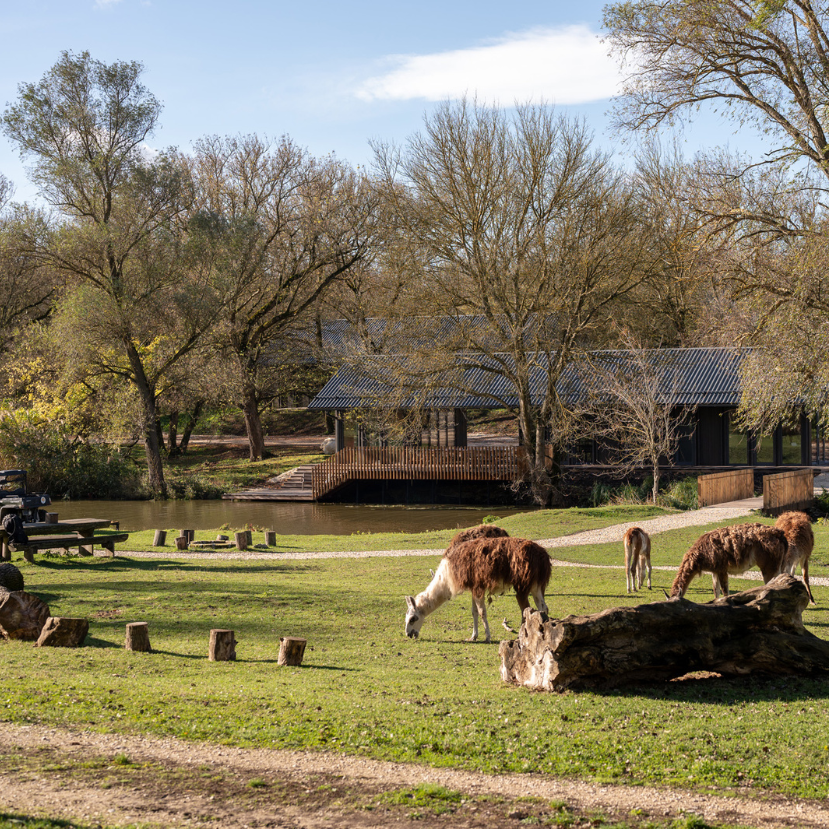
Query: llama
x=637 y=558
x=484 y=566
x=732 y=550
x=481 y=531
x=801 y=541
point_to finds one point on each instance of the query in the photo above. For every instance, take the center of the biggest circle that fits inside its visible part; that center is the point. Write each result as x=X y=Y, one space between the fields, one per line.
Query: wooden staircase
x=294 y=485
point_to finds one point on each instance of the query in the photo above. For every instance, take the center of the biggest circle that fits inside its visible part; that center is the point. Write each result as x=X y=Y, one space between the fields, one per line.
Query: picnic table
x=66 y=535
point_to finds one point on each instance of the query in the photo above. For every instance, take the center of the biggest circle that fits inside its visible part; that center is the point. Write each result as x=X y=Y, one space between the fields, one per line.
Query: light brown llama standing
x=637 y=558
x=801 y=540
x=731 y=551
x=484 y=567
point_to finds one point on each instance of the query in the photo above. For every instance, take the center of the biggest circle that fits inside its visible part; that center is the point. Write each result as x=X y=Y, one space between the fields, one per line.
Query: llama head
x=414 y=618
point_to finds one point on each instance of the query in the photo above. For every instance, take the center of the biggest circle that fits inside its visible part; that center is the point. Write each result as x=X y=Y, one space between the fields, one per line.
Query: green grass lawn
x=366 y=689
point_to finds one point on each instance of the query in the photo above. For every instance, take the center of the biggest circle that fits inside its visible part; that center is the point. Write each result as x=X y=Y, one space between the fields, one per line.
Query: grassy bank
x=538 y=524
x=366 y=689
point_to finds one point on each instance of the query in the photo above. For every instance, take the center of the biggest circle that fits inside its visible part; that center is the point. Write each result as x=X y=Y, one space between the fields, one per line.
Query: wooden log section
x=182 y=542
x=222 y=646
x=241 y=540
x=270 y=538
x=758 y=631
x=62 y=632
x=22 y=615
x=138 y=637
x=160 y=538
x=291 y=650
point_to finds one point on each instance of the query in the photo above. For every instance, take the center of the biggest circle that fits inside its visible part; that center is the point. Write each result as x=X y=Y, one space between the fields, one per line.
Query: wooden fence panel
x=721 y=487
x=788 y=490
x=408 y=463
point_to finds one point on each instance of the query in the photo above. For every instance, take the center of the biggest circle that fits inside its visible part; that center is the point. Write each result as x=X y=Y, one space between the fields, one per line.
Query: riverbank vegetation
x=365 y=689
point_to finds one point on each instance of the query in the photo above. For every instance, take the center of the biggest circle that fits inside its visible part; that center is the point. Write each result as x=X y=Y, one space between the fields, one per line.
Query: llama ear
x=411 y=602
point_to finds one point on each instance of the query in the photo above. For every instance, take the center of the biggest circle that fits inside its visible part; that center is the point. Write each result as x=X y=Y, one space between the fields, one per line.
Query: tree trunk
x=155 y=468
x=253 y=425
x=655 y=482
x=193 y=418
x=291 y=650
x=758 y=631
x=172 y=435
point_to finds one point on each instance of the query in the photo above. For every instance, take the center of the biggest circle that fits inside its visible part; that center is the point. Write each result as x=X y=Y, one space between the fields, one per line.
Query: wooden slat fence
x=788 y=490
x=410 y=463
x=721 y=487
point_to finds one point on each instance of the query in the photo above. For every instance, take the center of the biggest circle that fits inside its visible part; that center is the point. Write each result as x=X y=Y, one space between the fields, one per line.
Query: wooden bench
x=84 y=544
x=82 y=533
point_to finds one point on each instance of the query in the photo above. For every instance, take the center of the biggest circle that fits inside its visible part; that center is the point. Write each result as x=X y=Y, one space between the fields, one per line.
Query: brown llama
x=481 y=531
x=801 y=541
x=731 y=551
x=484 y=567
x=637 y=558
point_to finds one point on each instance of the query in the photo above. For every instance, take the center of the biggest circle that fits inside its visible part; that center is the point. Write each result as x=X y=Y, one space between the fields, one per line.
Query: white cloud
x=567 y=65
x=105 y=4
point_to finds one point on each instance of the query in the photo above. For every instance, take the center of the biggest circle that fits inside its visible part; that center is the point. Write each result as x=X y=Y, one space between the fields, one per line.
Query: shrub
x=680 y=494
x=60 y=463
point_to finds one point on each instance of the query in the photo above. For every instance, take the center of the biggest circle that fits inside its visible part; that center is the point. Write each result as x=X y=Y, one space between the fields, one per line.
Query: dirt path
x=170 y=782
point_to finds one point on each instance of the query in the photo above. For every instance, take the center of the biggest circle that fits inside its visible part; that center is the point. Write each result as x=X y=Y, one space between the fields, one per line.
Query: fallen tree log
x=758 y=631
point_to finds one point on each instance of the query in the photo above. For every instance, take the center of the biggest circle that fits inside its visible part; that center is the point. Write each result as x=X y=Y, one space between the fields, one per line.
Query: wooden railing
x=410 y=463
x=788 y=490
x=721 y=487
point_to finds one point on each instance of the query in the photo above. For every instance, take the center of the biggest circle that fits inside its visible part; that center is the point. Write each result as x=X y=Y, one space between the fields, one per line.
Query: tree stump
x=138 y=637
x=22 y=615
x=291 y=650
x=249 y=534
x=222 y=646
x=270 y=538
x=241 y=540
x=758 y=631
x=160 y=538
x=182 y=542
x=29 y=554
x=61 y=632
x=51 y=518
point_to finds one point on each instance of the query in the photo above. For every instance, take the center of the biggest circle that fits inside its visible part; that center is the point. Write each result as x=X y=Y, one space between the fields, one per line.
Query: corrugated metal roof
x=689 y=376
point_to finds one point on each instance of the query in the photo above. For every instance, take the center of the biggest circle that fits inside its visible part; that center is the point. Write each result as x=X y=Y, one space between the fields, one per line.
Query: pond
x=286 y=517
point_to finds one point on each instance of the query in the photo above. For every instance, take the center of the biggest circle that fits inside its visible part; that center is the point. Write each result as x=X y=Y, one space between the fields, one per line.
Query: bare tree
x=282 y=227
x=633 y=395
x=526 y=238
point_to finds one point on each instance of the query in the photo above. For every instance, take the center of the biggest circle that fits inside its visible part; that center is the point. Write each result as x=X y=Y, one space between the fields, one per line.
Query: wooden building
x=704 y=379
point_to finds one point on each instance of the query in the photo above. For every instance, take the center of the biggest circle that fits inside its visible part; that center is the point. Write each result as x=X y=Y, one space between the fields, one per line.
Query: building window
x=764 y=449
x=791 y=445
x=738 y=444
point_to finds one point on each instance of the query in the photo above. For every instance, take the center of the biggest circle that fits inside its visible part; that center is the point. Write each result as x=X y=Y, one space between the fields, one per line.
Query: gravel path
x=46 y=795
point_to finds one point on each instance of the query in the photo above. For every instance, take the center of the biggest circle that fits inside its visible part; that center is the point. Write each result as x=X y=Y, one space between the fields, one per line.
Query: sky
x=332 y=75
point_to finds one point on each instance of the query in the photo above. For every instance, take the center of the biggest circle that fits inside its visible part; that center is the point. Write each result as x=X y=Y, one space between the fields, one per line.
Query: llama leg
x=481 y=603
x=648 y=565
x=538 y=598
x=628 y=578
x=805 y=568
x=474 y=637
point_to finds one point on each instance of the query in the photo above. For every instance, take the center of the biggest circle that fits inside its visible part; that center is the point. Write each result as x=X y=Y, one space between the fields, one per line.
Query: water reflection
x=287 y=518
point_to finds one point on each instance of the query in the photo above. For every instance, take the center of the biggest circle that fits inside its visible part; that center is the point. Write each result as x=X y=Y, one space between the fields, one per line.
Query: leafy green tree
x=120 y=211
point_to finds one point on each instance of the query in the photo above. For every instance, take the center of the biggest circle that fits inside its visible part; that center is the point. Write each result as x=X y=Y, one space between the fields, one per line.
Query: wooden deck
x=404 y=463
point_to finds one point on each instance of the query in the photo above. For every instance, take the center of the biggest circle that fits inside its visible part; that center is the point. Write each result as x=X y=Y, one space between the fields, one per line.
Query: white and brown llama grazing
x=731 y=551
x=481 y=531
x=801 y=541
x=483 y=566
x=637 y=558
